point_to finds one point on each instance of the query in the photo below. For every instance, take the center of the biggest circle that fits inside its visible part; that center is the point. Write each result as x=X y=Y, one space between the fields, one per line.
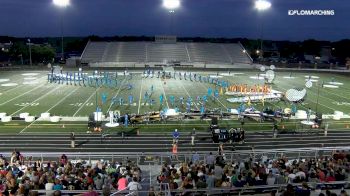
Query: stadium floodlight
x=262 y=5
x=171 y=4
x=61 y=3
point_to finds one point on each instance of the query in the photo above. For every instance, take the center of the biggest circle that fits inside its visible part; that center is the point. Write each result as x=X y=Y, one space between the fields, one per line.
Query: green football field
x=30 y=91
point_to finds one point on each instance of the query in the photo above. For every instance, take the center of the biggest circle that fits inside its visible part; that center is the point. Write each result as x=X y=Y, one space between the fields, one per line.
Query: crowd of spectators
x=216 y=172
x=18 y=177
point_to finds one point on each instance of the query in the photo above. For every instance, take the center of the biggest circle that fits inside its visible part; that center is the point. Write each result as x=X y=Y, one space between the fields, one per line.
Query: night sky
x=206 y=18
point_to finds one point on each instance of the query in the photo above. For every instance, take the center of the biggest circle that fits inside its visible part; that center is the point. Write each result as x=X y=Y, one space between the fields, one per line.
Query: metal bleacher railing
x=161 y=157
x=248 y=190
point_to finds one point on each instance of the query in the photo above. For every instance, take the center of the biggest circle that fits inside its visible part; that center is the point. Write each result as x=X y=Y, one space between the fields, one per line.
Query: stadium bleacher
x=119 y=52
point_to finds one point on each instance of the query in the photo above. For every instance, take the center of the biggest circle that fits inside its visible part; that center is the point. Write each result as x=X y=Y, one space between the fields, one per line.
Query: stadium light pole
x=30 y=52
x=261 y=6
x=62 y=4
x=171 y=6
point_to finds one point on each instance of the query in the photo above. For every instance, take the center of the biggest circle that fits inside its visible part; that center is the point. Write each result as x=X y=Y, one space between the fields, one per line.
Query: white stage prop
x=29 y=118
x=111 y=122
x=273 y=96
x=54 y=118
x=6 y=119
x=23 y=115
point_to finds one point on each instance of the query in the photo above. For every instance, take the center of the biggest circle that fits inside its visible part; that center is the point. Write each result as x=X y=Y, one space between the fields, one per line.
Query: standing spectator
x=134 y=187
x=242 y=136
x=193 y=135
x=72 y=140
x=210 y=160
x=195 y=157
x=174 y=151
x=274 y=129
x=176 y=136
x=122 y=183
x=308 y=114
x=221 y=149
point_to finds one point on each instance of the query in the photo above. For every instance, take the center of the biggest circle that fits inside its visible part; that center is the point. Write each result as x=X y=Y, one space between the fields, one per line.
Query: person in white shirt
x=134 y=186
x=270 y=180
x=301 y=174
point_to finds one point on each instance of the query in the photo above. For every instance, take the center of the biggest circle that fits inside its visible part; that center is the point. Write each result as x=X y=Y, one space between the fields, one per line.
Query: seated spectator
x=57 y=193
x=330 y=177
x=270 y=180
x=90 y=192
x=226 y=183
x=239 y=182
x=134 y=186
x=58 y=185
x=301 y=174
x=289 y=191
x=304 y=190
x=63 y=160
x=98 y=181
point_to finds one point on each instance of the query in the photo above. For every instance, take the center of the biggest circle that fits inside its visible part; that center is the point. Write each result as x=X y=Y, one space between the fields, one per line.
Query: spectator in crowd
x=195 y=157
x=134 y=186
x=270 y=180
x=63 y=160
x=304 y=190
x=90 y=192
x=215 y=172
x=57 y=193
x=122 y=183
x=210 y=159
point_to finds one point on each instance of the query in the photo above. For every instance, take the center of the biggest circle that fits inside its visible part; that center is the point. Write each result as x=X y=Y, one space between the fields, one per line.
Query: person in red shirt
x=122 y=183
x=91 y=192
x=174 y=151
x=321 y=175
x=330 y=177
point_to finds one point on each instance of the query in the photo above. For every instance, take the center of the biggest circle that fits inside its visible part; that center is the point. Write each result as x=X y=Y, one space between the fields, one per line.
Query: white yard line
x=8 y=90
x=65 y=97
x=188 y=94
x=138 y=109
x=85 y=102
x=46 y=94
x=62 y=99
x=21 y=95
x=121 y=85
x=166 y=100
